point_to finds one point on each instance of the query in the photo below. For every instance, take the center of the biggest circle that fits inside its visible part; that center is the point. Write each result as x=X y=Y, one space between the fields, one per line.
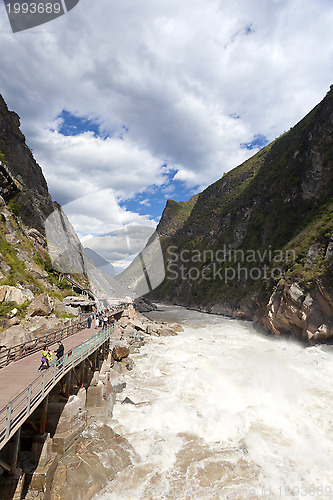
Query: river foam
x=224 y=412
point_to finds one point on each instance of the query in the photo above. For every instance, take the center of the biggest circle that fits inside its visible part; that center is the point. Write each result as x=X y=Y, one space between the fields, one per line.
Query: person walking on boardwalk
x=89 y=321
x=105 y=321
x=96 y=322
x=48 y=357
x=44 y=359
x=59 y=353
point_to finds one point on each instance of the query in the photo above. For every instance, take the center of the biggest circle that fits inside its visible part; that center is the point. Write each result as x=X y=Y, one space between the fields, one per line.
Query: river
x=225 y=412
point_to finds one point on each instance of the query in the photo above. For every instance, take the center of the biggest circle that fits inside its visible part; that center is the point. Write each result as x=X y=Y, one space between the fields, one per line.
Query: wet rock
x=128 y=332
x=128 y=363
x=120 y=352
x=166 y=332
x=127 y=401
x=117 y=384
x=138 y=324
x=323 y=333
x=81 y=473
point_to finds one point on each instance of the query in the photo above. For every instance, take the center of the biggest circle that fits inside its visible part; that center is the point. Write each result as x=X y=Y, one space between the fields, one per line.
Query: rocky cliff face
x=261 y=232
x=21 y=178
x=28 y=262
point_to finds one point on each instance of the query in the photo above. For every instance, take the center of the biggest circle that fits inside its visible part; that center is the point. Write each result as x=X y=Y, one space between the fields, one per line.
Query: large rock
x=138 y=324
x=128 y=332
x=292 y=311
x=120 y=352
x=15 y=335
x=95 y=395
x=128 y=363
x=14 y=294
x=165 y=331
x=116 y=382
x=8 y=323
x=42 y=305
x=71 y=416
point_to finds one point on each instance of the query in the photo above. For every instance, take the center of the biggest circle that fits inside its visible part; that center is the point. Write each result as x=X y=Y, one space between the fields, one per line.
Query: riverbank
x=225 y=413
x=290 y=312
x=96 y=453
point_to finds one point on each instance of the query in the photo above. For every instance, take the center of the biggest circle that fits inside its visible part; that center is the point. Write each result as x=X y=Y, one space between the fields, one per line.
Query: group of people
x=100 y=318
x=47 y=356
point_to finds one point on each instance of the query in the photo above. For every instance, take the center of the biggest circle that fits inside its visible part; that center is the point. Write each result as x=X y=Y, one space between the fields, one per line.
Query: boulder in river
x=120 y=352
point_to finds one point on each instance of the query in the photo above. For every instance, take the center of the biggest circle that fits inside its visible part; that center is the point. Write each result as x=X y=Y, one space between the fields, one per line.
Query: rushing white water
x=226 y=413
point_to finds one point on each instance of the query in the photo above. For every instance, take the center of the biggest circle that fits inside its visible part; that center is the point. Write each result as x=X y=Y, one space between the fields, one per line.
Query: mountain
x=38 y=245
x=258 y=243
x=22 y=182
x=100 y=262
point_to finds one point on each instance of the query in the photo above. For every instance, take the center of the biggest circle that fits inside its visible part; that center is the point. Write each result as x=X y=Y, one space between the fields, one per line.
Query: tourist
x=44 y=359
x=96 y=322
x=48 y=357
x=105 y=321
x=59 y=353
x=89 y=321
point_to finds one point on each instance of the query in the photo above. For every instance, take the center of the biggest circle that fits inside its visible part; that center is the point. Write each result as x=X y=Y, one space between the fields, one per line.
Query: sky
x=126 y=104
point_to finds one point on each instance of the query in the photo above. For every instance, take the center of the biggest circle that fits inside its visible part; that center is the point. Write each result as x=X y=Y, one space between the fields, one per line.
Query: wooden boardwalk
x=15 y=377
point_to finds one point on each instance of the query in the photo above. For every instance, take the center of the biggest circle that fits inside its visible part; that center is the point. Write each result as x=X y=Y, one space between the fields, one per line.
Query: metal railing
x=13 y=415
x=11 y=354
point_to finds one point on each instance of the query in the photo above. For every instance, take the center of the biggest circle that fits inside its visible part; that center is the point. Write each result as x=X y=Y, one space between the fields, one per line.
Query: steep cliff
x=38 y=245
x=261 y=232
x=21 y=179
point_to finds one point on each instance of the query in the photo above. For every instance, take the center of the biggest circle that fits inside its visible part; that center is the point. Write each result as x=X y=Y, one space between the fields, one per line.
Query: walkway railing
x=11 y=354
x=17 y=411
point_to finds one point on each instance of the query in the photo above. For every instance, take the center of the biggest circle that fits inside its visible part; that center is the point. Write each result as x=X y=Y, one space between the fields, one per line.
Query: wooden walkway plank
x=15 y=377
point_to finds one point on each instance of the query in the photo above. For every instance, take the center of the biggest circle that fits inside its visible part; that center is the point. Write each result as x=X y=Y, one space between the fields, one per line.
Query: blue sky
x=151 y=201
x=126 y=104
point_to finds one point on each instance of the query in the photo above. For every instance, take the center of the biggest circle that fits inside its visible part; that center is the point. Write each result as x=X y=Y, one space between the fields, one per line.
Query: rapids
x=225 y=412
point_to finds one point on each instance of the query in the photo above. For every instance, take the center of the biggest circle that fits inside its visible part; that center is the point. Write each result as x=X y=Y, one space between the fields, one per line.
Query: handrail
x=17 y=352
x=80 y=287
x=18 y=410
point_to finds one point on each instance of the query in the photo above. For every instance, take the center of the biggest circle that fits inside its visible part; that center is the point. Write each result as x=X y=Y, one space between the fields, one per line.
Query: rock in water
x=120 y=352
x=127 y=401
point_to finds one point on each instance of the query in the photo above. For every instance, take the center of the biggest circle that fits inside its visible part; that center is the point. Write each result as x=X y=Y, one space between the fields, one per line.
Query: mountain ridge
x=279 y=199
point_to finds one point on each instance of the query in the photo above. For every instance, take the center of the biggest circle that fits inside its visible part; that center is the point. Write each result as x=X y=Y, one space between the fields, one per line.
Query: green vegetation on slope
x=280 y=200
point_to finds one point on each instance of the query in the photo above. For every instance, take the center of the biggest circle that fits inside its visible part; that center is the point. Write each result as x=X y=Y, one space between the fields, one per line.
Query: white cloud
x=107 y=228
x=99 y=213
x=190 y=80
